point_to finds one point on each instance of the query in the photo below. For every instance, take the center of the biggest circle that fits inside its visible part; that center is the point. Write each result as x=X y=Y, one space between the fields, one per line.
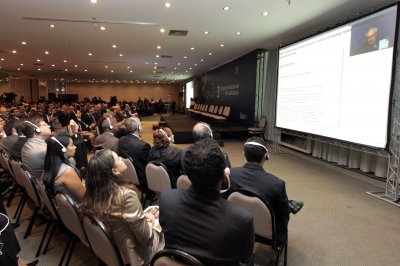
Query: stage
x=182 y=126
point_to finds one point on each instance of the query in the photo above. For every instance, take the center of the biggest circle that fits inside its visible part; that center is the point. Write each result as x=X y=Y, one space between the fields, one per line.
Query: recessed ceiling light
x=238 y=33
x=51 y=25
x=65 y=61
x=46 y=52
x=75 y=65
x=23 y=43
x=90 y=54
x=226 y=8
x=85 y=70
x=162 y=30
x=128 y=67
x=18 y=68
x=102 y=28
x=106 y=66
x=221 y=45
x=175 y=68
x=114 y=46
x=209 y=53
x=185 y=57
x=21 y=64
x=157 y=56
x=155 y=63
x=192 y=48
x=14 y=51
x=2 y=59
x=179 y=64
x=131 y=71
x=155 y=67
x=112 y=71
x=37 y=60
x=39 y=69
x=206 y=32
x=121 y=55
x=53 y=65
x=93 y=1
x=167 y=4
x=159 y=47
x=265 y=13
x=195 y=64
x=66 y=69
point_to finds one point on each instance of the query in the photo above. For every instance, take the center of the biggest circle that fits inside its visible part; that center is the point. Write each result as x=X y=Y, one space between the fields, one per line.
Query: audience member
x=11 y=129
x=109 y=197
x=26 y=133
x=252 y=176
x=201 y=223
x=34 y=150
x=133 y=147
x=106 y=140
x=59 y=174
x=163 y=152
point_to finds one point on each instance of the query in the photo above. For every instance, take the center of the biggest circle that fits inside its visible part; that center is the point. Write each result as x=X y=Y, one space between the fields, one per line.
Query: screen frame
x=392 y=80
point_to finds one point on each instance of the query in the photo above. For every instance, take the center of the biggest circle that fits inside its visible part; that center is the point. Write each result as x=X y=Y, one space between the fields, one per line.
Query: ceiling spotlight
x=90 y=54
x=112 y=71
x=238 y=33
x=75 y=65
x=23 y=43
x=93 y=1
x=128 y=67
x=185 y=57
x=114 y=46
x=192 y=48
x=51 y=25
x=2 y=59
x=221 y=45
x=53 y=65
x=167 y=4
x=102 y=28
x=106 y=66
x=157 y=56
x=131 y=71
x=226 y=8
x=265 y=13
x=121 y=55
x=46 y=52
x=159 y=47
x=65 y=61
x=14 y=51
x=206 y=32
x=162 y=30
x=39 y=69
x=209 y=53
x=18 y=69
x=19 y=64
x=37 y=60
x=85 y=70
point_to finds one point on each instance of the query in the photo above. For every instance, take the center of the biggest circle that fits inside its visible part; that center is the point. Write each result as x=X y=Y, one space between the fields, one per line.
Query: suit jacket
x=206 y=226
x=107 y=140
x=131 y=146
x=268 y=186
x=15 y=151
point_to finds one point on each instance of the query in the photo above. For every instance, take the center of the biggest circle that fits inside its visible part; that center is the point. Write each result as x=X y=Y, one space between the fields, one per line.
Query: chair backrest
x=263 y=214
x=5 y=161
x=69 y=216
x=157 y=177
x=221 y=109
x=262 y=122
x=211 y=109
x=101 y=241
x=25 y=180
x=183 y=182
x=48 y=202
x=130 y=174
x=173 y=257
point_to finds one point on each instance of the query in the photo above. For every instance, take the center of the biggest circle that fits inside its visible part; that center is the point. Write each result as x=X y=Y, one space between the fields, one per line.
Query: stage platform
x=182 y=126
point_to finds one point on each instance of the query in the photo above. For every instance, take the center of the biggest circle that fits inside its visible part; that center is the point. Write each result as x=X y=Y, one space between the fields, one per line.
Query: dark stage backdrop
x=234 y=85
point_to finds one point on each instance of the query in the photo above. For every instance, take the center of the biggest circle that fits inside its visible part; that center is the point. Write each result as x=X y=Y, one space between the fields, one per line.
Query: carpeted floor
x=339 y=225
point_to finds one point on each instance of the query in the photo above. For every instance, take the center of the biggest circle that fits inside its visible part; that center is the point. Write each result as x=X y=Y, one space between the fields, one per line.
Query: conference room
x=297 y=74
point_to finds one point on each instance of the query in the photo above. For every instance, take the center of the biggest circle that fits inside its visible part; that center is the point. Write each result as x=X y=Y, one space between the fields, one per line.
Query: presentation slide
x=337 y=84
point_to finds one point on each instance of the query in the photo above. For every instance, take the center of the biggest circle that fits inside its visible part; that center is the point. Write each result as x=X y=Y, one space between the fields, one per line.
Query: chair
x=157 y=177
x=173 y=257
x=260 y=130
x=5 y=162
x=263 y=218
x=183 y=182
x=55 y=218
x=70 y=218
x=20 y=182
x=130 y=175
x=101 y=241
x=26 y=181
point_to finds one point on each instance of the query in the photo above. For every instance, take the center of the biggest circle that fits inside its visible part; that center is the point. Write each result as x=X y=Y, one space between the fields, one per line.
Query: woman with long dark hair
x=109 y=197
x=59 y=174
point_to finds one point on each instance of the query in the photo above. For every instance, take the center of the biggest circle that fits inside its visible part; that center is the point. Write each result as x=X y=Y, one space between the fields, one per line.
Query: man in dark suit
x=198 y=220
x=132 y=146
x=252 y=176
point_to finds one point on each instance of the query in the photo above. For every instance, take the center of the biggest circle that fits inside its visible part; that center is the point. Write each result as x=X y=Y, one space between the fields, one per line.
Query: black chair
x=260 y=130
x=263 y=219
x=173 y=257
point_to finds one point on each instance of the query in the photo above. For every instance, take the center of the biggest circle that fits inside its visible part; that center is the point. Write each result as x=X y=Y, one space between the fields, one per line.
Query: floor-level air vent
x=178 y=32
x=166 y=56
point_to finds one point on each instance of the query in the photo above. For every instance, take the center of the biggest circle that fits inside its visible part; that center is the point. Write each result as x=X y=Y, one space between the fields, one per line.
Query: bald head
x=202 y=131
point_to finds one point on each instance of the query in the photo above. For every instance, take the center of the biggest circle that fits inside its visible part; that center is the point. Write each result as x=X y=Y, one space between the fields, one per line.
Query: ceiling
x=134 y=27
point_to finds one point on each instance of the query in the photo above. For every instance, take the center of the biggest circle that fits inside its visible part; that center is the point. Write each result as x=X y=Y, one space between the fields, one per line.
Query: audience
x=59 y=174
x=201 y=223
x=109 y=197
x=12 y=128
x=168 y=155
x=26 y=132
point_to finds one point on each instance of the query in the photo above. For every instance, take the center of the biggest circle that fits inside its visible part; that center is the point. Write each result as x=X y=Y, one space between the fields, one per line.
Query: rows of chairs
x=94 y=234
x=219 y=113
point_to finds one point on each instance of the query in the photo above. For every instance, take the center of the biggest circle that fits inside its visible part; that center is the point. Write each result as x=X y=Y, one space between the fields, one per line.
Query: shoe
x=295 y=206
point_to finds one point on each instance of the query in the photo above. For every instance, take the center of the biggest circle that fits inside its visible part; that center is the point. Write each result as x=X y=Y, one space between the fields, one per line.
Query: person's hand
x=150 y=218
